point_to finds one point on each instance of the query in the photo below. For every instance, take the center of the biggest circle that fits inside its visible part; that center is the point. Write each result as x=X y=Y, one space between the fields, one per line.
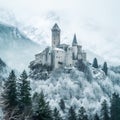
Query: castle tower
x=74 y=46
x=55 y=36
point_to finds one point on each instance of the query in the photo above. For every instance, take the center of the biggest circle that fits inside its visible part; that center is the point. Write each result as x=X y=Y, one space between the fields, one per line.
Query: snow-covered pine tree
x=43 y=111
x=72 y=114
x=105 y=68
x=62 y=105
x=56 y=115
x=104 y=111
x=24 y=96
x=115 y=107
x=10 y=96
x=96 y=117
x=82 y=114
x=95 y=63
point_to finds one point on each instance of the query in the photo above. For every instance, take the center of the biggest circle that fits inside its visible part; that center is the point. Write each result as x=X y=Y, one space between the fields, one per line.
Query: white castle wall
x=79 y=56
x=75 y=52
x=59 y=57
x=69 y=61
x=48 y=62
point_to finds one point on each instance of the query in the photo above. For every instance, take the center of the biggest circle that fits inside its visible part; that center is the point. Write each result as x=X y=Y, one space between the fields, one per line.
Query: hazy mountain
x=4 y=71
x=16 y=49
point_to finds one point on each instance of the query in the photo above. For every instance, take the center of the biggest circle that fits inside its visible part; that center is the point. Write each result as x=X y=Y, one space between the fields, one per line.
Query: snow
x=76 y=90
x=58 y=49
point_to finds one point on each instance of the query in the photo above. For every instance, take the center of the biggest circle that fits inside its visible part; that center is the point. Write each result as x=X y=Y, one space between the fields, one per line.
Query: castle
x=60 y=55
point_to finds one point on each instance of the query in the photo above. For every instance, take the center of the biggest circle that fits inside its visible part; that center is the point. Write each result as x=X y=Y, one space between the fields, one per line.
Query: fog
x=96 y=22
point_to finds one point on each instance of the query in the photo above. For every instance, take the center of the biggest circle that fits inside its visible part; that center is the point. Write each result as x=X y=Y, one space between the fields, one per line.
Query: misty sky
x=96 y=22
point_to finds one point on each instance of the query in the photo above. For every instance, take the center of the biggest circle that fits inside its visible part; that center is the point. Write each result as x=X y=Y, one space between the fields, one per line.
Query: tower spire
x=74 y=43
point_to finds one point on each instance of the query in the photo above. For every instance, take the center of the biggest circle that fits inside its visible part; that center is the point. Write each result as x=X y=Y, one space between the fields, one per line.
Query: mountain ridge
x=15 y=47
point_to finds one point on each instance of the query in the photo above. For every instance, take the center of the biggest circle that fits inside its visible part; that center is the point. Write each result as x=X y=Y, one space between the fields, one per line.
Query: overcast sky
x=96 y=22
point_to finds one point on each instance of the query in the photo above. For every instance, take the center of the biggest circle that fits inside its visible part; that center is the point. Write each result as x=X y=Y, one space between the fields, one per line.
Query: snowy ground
x=76 y=90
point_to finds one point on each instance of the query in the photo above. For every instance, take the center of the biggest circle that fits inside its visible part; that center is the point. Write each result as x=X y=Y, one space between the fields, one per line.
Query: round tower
x=55 y=36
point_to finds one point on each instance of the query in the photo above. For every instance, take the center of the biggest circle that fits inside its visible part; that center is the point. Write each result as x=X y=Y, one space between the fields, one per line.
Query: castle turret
x=55 y=36
x=74 y=46
x=74 y=43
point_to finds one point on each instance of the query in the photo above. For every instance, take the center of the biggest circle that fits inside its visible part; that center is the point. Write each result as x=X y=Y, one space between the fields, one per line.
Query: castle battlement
x=59 y=55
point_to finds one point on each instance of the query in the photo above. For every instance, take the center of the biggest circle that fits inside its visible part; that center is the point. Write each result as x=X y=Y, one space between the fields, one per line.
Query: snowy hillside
x=76 y=90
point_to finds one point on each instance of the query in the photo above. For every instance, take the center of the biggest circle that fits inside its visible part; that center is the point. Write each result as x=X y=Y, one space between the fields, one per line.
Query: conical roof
x=55 y=27
x=74 y=40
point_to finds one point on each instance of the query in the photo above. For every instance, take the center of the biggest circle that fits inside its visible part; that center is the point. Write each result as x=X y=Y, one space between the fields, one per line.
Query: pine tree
x=104 y=111
x=56 y=115
x=115 y=107
x=43 y=111
x=105 y=68
x=95 y=63
x=96 y=117
x=25 y=96
x=72 y=114
x=82 y=114
x=10 y=95
x=62 y=104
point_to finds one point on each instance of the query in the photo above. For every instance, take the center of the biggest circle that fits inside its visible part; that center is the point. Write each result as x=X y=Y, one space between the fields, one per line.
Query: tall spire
x=74 y=43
